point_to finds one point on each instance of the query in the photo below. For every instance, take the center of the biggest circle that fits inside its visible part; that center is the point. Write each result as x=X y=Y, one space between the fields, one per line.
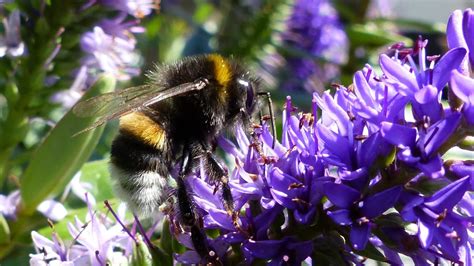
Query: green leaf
x=61 y=154
x=4 y=231
x=166 y=240
x=141 y=255
x=97 y=174
x=370 y=34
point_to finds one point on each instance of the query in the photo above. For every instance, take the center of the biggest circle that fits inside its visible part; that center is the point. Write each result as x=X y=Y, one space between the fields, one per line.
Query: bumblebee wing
x=115 y=104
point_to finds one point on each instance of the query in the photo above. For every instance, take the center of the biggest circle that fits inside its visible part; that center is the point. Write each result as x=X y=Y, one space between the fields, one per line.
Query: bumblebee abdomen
x=143 y=128
x=139 y=164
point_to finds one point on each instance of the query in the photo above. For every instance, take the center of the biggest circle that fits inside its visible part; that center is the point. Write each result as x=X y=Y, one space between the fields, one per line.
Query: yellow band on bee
x=144 y=128
x=222 y=71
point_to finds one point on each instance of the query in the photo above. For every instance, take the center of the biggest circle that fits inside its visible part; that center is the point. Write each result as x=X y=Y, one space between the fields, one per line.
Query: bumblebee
x=172 y=123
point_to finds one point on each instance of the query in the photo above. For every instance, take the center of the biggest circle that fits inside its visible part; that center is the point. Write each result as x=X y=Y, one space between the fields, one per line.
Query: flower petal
x=449 y=62
x=376 y=204
x=425 y=233
x=341 y=195
x=447 y=197
x=396 y=71
x=360 y=235
x=398 y=134
x=342 y=217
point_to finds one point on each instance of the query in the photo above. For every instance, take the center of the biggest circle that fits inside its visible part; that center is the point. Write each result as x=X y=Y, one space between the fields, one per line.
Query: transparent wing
x=115 y=104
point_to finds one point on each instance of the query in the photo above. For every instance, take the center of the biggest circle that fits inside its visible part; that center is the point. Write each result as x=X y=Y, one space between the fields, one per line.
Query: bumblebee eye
x=247 y=86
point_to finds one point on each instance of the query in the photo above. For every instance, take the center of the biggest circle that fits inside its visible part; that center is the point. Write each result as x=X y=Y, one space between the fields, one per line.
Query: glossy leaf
x=96 y=173
x=61 y=154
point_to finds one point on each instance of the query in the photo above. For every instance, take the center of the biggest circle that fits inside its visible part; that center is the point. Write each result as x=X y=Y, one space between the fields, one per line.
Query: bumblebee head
x=238 y=88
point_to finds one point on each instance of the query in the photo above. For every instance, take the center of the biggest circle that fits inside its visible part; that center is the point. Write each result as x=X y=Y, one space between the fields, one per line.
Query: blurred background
x=52 y=51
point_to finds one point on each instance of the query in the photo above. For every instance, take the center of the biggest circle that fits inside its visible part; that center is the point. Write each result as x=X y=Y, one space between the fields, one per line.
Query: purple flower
x=103 y=240
x=460 y=33
x=55 y=251
x=356 y=212
x=287 y=251
x=418 y=148
x=110 y=54
x=314 y=28
x=70 y=96
x=11 y=43
x=217 y=246
x=120 y=27
x=49 y=208
x=422 y=83
x=439 y=224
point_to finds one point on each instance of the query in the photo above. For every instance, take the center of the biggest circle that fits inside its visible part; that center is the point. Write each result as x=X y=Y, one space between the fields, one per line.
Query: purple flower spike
x=314 y=28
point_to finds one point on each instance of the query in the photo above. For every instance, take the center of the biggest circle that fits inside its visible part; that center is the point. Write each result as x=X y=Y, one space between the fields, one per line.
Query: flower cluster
x=366 y=178
x=109 y=47
x=314 y=30
x=97 y=241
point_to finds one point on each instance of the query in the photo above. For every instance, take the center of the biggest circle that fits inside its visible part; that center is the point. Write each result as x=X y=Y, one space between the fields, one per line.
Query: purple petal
x=447 y=197
x=229 y=147
x=407 y=156
x=462 y=85
x=188 y=257
x=449 y=62
x=360 y=235
x=398 y=134
x=302 y=250
x=335 y=112
x=446 y=245
x=439 y=132
x=454 y=31
x=433 y=168
x=342 y=217
x=376 y=204
x=341 y=195
x=425 y=233
x=52 y=209
x=363 y=90
x=222 y=219
x=463 y=88
x=265 y=249
x=426 y=94
x=280 y=183
x=305 y=217
x=371 y=149
x=468 y=29
x=394 y=70
x=335 y=144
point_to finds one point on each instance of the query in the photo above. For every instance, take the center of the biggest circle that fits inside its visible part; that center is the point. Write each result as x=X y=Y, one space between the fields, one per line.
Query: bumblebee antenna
x=272 y=115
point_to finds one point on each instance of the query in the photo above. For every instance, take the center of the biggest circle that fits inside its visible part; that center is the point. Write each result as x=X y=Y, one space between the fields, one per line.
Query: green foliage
x=56 y=160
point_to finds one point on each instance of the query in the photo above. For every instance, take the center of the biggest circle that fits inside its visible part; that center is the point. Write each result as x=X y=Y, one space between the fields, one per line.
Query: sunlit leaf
x=61 y=154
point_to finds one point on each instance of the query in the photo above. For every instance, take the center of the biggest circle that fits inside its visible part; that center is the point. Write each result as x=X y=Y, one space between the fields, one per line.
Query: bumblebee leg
x=186 y=211
x=220 y=177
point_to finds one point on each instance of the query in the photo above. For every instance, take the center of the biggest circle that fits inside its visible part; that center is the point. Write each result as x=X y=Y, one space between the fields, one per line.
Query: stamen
x=106 y=202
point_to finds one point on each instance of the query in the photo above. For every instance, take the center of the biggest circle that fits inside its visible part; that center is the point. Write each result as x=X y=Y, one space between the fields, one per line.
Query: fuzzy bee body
x=172 y=123
x=151 y=142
